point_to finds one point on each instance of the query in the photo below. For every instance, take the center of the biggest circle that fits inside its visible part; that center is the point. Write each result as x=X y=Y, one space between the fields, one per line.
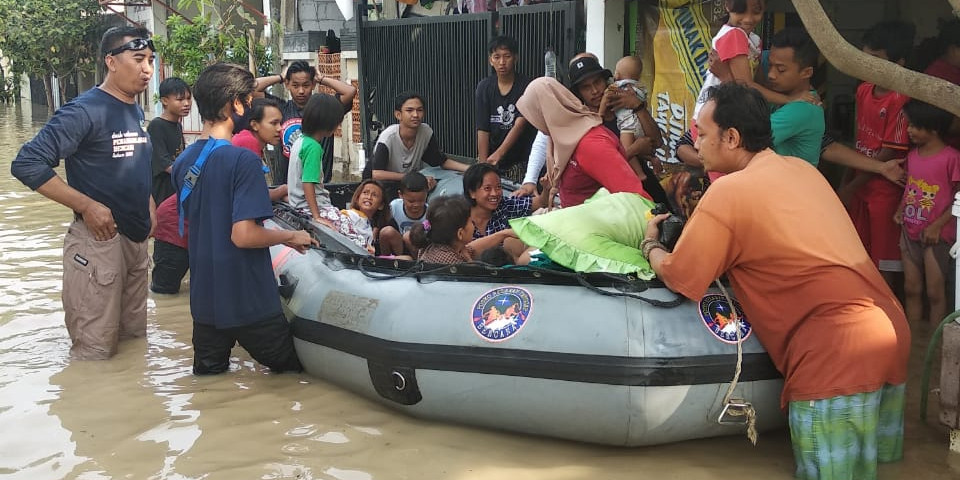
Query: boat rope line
x=418 y=271
x=549 y=365
x=738 y=407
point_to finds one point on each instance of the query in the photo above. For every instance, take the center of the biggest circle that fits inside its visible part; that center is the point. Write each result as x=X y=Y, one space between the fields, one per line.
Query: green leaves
x=41 y=37
x=190 y=47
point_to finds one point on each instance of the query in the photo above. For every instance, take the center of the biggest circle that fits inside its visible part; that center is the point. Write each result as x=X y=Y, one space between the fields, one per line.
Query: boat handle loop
x=399 y=382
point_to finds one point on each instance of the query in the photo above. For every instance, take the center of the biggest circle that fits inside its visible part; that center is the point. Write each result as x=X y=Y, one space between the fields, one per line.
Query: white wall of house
x=605 y=29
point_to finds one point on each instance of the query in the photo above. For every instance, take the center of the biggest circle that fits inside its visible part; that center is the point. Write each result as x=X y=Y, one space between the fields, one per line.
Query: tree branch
x=853 y=62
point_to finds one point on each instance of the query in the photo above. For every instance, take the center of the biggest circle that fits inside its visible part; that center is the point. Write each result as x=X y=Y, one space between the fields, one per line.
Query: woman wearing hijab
x=586 y=155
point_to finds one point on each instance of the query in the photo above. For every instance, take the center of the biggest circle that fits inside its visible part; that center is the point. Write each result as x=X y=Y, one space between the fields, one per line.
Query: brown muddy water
x=142 y=415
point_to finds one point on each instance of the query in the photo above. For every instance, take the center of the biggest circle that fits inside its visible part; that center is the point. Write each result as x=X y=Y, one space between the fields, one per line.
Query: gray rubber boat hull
x=566 y=362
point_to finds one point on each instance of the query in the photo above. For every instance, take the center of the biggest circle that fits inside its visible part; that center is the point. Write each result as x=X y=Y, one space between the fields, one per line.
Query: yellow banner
x=681 y=47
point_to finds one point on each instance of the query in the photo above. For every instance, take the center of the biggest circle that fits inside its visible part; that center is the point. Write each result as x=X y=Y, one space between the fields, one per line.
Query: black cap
x=584 y=68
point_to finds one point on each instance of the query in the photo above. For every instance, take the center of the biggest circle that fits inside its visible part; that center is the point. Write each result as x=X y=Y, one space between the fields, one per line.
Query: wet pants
x=104 y=291
x=269 y=342
x=170 y=264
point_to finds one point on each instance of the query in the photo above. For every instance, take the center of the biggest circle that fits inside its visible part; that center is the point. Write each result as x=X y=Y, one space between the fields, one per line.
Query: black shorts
x=269 y=342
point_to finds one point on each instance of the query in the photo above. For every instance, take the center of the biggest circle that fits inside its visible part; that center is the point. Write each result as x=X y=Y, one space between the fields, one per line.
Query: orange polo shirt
x=813 y=296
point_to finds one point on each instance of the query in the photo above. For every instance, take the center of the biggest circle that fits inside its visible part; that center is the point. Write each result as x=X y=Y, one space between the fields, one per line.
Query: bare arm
x=605 y=111
x=650 y=128
x=843 y=155
x=310 y=194
x=346 y=91
x=689 y=156
x=264 y=82
x=515 y=133
x=627 y=139
x=450 y=164
x=153 y=215
x=931 y=234
x=483 y=145
x=845 y=192
x=387 y=175
x=641 y=147
x=490 y=241
x=740 y=70
x=249 y=234
x=97 y=217
x=278 y=193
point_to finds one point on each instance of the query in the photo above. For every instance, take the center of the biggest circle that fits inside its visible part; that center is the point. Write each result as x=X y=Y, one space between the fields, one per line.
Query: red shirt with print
x=881 y=124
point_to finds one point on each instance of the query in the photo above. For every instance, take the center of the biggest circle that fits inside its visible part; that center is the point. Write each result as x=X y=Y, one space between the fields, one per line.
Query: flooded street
x=143 y=415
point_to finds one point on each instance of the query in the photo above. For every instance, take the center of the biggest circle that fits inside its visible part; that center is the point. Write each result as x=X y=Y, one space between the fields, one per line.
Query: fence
x=443 y=58
x=537 y=27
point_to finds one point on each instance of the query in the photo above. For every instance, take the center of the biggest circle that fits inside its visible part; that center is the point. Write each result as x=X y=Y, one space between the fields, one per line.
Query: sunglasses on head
x=136 y=44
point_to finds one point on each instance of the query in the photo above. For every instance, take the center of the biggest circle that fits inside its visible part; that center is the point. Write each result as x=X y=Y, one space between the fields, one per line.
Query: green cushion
x=602 y=235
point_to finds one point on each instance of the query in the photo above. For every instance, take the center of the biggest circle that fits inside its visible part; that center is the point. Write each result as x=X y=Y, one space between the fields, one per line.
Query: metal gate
x=443 y=58
x=537 y=27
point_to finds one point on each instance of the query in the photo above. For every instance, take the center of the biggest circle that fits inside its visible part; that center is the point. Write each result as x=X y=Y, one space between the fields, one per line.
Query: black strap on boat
x=676 y=302
x=418 y=270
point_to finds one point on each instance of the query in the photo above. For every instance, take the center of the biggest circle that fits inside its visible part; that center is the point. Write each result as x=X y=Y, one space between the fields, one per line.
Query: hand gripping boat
x=595 y=358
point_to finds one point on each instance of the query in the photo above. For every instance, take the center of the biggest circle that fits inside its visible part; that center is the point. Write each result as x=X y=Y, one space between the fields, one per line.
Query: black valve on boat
x=670 y=228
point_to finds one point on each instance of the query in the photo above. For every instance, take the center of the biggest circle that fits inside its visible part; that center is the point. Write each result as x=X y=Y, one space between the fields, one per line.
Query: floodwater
x=142 y=415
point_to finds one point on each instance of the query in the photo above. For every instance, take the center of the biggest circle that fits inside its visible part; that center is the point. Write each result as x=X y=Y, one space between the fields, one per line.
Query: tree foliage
x=190 y=47
x=43 y=37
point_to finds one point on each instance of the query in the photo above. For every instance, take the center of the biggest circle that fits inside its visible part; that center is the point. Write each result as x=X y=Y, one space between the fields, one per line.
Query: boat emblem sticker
x=500 y=313
x=718 y=318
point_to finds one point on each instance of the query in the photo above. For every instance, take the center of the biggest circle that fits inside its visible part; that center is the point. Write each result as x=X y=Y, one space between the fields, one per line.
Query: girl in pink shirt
x=929 y=227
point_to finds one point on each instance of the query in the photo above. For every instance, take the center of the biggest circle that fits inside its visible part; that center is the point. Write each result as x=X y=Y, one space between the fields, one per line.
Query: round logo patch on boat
x=718 y=318
x=500 y=313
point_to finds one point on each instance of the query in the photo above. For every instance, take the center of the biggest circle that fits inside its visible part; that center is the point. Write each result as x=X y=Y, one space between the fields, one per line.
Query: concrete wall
x=605 y=21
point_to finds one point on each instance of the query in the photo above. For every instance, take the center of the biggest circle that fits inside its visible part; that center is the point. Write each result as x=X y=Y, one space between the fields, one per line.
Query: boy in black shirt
x=503 y=137
x=166 y=134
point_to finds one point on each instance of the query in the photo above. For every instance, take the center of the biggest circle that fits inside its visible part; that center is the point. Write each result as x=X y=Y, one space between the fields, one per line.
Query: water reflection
x=143 y=415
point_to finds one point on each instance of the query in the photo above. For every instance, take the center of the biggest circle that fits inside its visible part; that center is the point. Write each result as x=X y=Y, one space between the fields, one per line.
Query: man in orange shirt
x=817 y=302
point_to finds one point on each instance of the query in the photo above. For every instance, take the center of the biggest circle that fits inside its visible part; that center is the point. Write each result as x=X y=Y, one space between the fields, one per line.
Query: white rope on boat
x=740 y=406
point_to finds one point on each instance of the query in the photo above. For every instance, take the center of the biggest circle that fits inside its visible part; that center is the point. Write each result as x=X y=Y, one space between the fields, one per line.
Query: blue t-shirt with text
x=107 y=153
x=229 y=286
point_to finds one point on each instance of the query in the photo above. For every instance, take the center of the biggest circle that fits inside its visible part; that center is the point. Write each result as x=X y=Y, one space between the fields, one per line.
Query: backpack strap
x=193 y=175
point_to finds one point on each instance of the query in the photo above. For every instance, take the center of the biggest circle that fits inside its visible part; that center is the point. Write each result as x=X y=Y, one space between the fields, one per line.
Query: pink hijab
x=555 y=111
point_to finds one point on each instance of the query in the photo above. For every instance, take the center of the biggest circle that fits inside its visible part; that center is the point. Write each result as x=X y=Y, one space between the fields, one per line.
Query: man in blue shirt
x=233 y=291
x=102 y=136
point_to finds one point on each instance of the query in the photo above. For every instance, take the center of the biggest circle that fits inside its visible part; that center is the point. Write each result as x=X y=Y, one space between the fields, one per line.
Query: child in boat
x=305 y=190
x=444 y=235
x=367 y=213
x=304 y=176
x=929 y=227
x=407 y=211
